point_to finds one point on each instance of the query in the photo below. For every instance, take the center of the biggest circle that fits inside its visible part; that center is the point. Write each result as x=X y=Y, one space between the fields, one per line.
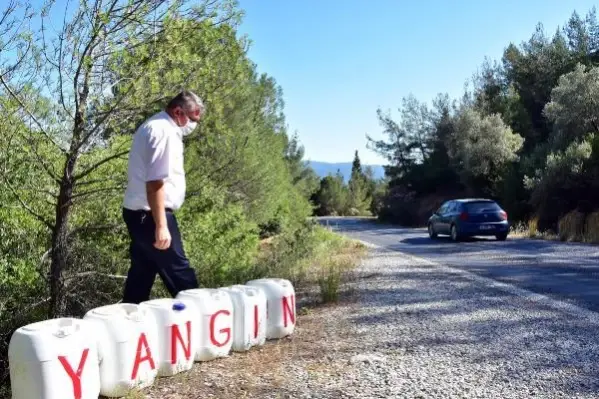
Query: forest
x=75 y=83
x=525 y=132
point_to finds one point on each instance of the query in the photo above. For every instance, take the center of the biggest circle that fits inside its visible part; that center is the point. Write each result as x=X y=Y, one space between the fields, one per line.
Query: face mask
x=189 y=127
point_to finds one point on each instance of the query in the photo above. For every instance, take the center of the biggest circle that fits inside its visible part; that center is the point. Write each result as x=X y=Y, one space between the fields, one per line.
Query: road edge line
x=545 y=300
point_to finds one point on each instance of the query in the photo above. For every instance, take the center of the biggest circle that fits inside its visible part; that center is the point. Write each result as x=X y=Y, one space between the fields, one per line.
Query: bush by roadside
x=309 y=255
x=574 y=226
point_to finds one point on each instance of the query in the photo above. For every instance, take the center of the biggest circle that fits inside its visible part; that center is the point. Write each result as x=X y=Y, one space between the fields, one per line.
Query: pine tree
x=359 y=200
x=356 y=169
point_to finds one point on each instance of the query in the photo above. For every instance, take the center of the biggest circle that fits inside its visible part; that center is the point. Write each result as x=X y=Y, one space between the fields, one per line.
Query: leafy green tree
x=568 y=179
x=58 y=82
x=481 y=146
x=332 y=196
x=302 y=175
x=574 y=106
x=523 y=134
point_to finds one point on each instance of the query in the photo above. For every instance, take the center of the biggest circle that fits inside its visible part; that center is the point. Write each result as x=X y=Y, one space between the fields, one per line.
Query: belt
x=169 y=210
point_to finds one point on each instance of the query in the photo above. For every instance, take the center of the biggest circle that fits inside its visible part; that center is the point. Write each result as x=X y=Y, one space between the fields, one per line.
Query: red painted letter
x=176 y=336
x=256 y=321
x=75 y=376
x=289 y=310
x=142 y=342
x=226 y=330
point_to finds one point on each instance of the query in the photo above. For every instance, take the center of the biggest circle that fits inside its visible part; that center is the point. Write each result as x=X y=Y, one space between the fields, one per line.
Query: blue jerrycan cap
x=178 y=306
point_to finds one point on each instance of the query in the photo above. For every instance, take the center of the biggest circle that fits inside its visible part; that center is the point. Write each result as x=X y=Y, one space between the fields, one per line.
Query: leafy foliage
x=524 y=134
x=356 y=198
x=70 y=100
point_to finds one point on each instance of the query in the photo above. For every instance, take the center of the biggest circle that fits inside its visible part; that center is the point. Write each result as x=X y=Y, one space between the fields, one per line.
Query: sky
x=339 y=61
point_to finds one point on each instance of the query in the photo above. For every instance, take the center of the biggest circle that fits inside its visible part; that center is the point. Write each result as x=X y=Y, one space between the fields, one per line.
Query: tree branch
x=18 y=100
x=95 y=273
x=95 y=191
x=96 y=181
x=98 y=164
x=27 y=207
x=96 y=29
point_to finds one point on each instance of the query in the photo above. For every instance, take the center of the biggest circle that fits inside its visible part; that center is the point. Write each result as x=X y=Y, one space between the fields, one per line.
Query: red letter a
x=288 y=310
x=75 y=376
x=142 y=341
x=176 y=336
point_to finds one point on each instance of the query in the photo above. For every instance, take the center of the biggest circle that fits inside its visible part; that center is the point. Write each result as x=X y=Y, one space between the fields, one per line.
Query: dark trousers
x=146 y=260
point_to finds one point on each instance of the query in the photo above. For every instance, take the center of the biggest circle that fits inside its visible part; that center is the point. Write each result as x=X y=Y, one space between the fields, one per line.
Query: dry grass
x=533 y=227
x=571 y=226
x=591 y=228
x=334 y=270
x=328 y=267
x=530 y=230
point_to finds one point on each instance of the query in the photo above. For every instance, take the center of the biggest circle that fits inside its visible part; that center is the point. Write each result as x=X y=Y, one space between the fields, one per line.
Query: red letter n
x=256 y=321
x=142 y=343
x=226 y=331
x=288 y=309
x=176 y=336
x=75 y=376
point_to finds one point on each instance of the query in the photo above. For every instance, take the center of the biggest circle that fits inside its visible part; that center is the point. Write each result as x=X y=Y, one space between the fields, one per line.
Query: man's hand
x=163 y=238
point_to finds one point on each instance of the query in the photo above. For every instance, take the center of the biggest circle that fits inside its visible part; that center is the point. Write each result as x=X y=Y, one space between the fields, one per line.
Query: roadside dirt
x=303 y=362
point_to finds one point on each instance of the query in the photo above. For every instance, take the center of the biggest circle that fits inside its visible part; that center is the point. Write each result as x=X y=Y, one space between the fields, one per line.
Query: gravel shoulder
x=411 y=329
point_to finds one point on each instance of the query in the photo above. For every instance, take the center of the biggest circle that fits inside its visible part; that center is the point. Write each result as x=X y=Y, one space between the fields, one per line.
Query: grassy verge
x=314 y=257
x=318 y=262
x=529 y=230
x=574 y=226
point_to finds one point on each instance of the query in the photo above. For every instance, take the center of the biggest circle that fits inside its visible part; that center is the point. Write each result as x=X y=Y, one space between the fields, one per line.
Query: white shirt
x=156 y=154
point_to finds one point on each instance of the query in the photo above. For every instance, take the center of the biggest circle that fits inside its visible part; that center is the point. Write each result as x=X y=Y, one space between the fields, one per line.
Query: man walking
x=155 y=189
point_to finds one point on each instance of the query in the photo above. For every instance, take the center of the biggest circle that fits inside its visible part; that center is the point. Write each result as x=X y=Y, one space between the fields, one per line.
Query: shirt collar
x=172 y=122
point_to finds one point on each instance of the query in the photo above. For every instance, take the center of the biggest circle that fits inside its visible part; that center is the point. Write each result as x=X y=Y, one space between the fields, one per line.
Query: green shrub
x=221 y=245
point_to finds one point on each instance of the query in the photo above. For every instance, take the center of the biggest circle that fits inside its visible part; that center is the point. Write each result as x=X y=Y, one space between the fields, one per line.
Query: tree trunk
x=59 y=242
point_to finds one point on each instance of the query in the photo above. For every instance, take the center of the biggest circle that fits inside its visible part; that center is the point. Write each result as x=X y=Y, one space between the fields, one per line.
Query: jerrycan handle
x=136 y=316
x=66 y=330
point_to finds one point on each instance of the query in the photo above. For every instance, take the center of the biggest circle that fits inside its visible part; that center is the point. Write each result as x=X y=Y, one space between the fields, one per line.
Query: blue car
x=469 y=217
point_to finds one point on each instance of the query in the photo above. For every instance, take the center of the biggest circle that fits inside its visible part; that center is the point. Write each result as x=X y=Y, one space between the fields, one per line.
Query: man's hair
x=186 y=100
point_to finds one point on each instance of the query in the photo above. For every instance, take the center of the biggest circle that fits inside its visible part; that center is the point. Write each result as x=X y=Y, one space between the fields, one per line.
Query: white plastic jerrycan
x=249 y=313
x=178 y=322
x=280 y=297
x=128 y=347
x=215 y=308
x=54 y=359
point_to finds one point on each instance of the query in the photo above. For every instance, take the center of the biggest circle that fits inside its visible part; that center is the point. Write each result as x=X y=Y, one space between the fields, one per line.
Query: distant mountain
x=323 y=169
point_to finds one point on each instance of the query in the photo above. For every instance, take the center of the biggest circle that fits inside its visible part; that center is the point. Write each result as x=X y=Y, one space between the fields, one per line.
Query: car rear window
x=482 y=206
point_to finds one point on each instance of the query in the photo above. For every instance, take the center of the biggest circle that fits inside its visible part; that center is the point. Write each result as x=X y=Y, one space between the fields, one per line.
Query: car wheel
x=501 y=237
x=431 y=231
x=454 y=233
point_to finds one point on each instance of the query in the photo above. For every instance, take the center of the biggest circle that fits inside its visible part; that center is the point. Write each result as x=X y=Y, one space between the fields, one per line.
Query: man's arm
x=158 y=170
x=155 y=194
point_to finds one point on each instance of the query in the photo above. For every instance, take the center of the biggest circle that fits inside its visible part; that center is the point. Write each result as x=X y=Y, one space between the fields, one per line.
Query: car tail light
x=464 y=216
x=503 y=215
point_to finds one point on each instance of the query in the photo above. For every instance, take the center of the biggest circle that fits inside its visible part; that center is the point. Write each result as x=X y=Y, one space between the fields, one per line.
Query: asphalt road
x=563 y=271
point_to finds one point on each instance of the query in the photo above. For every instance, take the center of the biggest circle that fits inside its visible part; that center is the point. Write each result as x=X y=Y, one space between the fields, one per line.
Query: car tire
x=501 y=237
x=431 y=231
x=453 y=232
